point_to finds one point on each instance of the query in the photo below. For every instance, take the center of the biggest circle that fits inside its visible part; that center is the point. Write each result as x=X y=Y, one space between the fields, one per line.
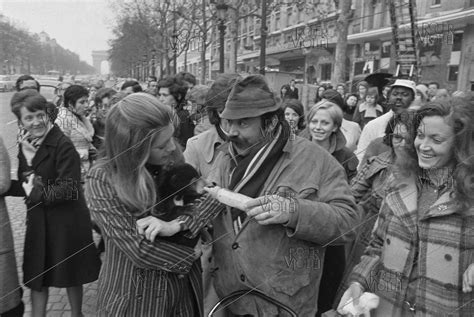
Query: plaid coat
x=441 y=243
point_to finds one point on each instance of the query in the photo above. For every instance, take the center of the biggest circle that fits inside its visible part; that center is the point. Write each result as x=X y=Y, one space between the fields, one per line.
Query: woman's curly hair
x=459 y=114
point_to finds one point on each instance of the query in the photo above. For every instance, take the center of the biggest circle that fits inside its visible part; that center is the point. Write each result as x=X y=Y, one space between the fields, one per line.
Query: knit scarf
x=253 y=170
x=30 y=144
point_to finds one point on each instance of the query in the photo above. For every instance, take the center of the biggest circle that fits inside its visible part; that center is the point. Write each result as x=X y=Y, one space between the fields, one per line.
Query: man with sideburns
x=301 y=204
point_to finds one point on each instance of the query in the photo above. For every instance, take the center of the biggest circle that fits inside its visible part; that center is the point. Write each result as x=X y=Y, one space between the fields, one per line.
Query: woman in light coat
x=74 y=123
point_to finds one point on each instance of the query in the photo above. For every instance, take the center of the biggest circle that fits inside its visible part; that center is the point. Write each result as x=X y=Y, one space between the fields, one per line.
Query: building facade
x=302 y=35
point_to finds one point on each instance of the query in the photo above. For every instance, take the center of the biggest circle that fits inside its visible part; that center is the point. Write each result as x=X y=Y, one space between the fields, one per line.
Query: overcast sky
x=78 y=25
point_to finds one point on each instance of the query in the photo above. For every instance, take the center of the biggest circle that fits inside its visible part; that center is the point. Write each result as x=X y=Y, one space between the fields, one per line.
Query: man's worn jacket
x=285 y=262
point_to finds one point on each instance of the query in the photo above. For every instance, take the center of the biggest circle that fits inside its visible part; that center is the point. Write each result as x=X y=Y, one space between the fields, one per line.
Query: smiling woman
x=424 y=229
x=59 y=250
x=324 y=123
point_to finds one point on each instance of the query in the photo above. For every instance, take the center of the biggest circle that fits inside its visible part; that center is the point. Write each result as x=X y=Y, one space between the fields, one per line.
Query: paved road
x=58 y=304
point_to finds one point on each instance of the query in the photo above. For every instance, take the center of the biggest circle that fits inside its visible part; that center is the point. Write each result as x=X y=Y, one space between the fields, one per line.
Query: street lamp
x=263 y=37
x=221 y=8
x=137 y=66
x=174 y=46
x=144 y=66
x=153 y=58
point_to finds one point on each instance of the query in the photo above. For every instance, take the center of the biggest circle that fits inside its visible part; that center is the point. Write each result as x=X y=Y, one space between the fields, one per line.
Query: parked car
x=6 y=83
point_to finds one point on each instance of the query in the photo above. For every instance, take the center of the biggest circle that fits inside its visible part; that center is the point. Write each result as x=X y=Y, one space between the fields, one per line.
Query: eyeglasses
x=398 y=138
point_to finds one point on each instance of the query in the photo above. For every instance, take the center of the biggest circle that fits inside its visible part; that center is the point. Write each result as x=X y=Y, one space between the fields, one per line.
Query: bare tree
x=199 y=16
x=342 y=27
x=239 y=10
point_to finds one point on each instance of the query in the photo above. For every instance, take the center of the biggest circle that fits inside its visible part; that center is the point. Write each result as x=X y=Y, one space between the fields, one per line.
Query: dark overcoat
x=59 y=250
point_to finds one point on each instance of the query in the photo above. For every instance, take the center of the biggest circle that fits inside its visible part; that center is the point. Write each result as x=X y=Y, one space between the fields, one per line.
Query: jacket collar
x=337 y=141
x=364 y=106
x=443 y=206
x=52 y=139
x=53 y=136
x=212 y=143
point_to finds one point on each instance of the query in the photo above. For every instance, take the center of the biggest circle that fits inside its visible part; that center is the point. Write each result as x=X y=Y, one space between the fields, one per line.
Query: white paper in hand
x=228 y=197
x=367 y=302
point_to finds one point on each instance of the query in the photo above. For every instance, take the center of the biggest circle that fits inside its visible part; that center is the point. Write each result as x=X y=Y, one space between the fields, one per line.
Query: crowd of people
x=359 y=192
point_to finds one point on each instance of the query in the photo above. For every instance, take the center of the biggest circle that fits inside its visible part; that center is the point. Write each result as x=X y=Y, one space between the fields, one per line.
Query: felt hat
x=220 y=90
x=250 y=98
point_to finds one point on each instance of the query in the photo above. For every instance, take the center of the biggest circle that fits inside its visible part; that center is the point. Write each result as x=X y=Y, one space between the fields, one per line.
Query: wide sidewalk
x=58 y=304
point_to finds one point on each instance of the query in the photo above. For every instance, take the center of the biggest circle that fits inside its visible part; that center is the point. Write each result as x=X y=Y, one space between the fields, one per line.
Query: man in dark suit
x=292 y=93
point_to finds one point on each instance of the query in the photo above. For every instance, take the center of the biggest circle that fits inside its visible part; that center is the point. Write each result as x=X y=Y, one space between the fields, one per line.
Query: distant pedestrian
x=131 y=86
x=283 y=90
x=369 y=109
x=294 y=114
x=421 y=97
x=196 y=99
x=432 y=90
x=442 y=95
x=152 y=86
x=350 y=105
x=74 y=123
x=188 y=79
x=102 y=105
x=292 y=92
x=341 y=89
x=172 y=92
x=362 y=88
x=319 y=93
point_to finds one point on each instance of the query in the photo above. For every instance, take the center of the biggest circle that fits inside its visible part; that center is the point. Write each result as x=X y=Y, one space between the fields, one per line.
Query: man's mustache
x=234 y=139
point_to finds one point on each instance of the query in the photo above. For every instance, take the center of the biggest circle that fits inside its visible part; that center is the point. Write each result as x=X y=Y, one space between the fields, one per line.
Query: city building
x=302 y=36
x=444 y=35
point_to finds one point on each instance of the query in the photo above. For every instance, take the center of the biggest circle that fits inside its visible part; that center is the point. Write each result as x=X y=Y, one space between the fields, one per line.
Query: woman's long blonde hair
x=131 y=126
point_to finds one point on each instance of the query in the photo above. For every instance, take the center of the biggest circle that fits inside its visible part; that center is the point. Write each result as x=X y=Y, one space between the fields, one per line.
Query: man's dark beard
x=267 y=137
x=245 y=151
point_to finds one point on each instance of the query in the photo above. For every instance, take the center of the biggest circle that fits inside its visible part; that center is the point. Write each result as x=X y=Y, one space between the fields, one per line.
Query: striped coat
x=440 y=243
x=139 y=277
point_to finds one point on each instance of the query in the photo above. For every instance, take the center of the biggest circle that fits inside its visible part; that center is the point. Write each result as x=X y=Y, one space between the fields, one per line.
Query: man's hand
x=271 y=209
x=468 y=279
x=151 y=227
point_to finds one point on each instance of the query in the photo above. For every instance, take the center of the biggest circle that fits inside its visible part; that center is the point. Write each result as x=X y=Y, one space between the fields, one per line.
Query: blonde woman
x=143 y=274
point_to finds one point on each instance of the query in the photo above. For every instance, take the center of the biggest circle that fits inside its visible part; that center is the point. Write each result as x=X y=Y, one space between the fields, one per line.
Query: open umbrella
x=378 y=80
